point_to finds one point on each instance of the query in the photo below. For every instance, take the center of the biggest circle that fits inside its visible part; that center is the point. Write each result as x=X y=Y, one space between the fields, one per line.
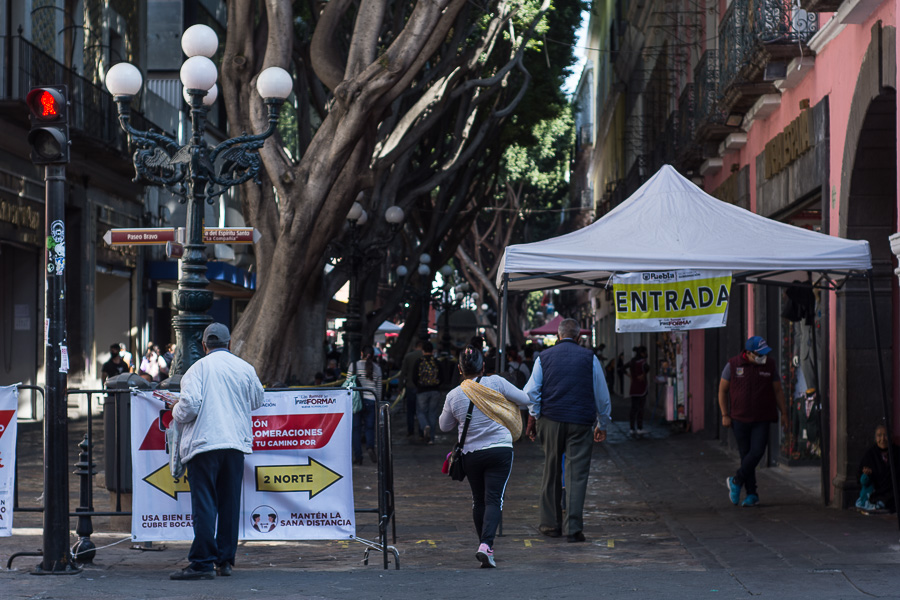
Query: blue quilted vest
x=567 y=390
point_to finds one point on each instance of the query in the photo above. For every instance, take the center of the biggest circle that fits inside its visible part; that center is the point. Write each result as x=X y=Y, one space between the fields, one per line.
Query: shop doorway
x=800 y=349
x=871 y=213
x=112 y=316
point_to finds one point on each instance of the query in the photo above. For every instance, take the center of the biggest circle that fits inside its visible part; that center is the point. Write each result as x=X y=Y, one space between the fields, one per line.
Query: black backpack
x=427 y=373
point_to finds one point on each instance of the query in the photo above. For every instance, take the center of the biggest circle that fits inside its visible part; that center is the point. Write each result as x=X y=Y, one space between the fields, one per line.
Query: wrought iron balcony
x=92 y=112
x=710 y=117
x=753 y=34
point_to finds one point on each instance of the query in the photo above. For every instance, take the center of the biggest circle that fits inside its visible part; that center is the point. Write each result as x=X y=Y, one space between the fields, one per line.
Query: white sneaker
x=642 y=432
x=631 y=432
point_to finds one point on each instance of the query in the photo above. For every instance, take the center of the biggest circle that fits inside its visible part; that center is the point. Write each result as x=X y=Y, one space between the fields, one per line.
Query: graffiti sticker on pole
x=9 y=402
x=671 y=300
x=297 y=484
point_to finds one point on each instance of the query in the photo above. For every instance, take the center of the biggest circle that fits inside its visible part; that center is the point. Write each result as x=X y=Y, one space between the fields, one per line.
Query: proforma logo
x=674 y=323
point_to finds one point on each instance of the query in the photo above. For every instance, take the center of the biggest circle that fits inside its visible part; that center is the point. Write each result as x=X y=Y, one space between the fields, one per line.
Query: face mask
x=759 y=359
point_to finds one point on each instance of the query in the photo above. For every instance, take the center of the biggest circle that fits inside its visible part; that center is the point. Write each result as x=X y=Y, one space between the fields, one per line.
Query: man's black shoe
x=575 y=537
x=190 y=574
x=553 y=532
x=223 y=570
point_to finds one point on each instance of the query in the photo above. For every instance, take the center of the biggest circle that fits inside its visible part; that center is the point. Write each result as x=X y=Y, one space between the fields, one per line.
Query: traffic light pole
x=57 y=559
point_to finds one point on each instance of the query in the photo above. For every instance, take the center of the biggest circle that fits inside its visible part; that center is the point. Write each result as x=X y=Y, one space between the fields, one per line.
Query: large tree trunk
x=379 y=95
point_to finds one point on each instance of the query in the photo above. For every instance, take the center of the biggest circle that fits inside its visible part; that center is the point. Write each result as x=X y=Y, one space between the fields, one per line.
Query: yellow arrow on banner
x=162 y=480
x=313 y=478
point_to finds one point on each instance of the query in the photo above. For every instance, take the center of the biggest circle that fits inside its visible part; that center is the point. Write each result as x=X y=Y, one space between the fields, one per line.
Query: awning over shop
x=551 y=327
x=224 y=278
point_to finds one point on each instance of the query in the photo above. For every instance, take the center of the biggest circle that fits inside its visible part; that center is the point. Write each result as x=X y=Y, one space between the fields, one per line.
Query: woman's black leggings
x=488 y=471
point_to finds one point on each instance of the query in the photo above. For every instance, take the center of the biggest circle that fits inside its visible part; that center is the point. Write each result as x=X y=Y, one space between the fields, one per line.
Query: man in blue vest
x=753 y=384
x=571 y=411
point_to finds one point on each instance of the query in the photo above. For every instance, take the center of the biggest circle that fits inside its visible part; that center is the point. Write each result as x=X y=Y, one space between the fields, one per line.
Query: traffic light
x=49 y=135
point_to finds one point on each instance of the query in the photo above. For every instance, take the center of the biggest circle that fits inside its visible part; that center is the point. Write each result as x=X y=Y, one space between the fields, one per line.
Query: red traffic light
x=49 y=135
x=46 y=104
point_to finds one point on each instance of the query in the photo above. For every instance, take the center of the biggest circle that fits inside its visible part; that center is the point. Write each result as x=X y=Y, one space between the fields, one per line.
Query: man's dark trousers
x=215 y=479
x=576 y=441
x=752 y=441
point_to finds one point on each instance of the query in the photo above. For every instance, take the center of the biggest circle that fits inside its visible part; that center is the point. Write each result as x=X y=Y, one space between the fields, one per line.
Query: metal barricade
x=118 y=449
x=384 y=453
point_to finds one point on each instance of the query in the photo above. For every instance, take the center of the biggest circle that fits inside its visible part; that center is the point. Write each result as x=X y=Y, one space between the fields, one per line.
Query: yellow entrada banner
x=671 y=300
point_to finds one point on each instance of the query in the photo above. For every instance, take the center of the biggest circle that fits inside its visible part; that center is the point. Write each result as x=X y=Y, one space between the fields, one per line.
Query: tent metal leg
x=504 y=321
x=884 y=395
x=823 y=415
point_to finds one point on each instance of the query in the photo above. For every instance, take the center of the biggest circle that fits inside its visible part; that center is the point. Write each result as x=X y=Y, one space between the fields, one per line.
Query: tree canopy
x=408 y=104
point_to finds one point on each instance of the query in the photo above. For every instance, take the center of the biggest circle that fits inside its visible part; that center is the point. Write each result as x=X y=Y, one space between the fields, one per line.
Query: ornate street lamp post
x=425 y=272
x=452 y=299
x=207 y=171
x=357 y=258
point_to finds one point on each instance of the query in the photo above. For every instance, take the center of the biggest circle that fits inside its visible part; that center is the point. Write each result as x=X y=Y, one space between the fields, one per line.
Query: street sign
x=164 y=235
x=143 y=236
x=230 y=235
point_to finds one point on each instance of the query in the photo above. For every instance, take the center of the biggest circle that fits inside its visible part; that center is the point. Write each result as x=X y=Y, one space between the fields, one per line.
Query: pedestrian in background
x=488 y=450
x=115 y=365
x=753 y=385
x=639 y=384
x=429 y=400
x=169 y=358
x=407 y=382
x=569 y=399
x=368 y=376
x=213 y=414
x=620 y=372
x=877 y=487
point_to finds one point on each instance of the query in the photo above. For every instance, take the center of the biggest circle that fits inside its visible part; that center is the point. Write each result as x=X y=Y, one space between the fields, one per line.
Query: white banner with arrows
x=9 y=403
x=297 y=485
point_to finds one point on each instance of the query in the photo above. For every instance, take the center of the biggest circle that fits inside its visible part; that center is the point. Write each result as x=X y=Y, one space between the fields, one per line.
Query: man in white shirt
x=213 y=412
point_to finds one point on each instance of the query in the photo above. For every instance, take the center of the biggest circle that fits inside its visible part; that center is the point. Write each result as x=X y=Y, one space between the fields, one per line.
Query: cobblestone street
x=657 y=519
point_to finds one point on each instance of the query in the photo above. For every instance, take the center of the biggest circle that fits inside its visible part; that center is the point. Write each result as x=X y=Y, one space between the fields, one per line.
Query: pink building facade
x=821 y=153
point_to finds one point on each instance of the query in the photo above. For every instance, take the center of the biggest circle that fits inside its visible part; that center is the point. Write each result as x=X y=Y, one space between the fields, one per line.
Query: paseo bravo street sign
x=165 y=235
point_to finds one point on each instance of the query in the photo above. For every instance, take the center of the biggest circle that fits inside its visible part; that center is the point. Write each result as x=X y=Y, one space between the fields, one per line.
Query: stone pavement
x=657 y=518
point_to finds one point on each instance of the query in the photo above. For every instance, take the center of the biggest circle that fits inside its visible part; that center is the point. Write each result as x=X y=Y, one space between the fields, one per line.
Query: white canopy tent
x=669 y=223
x=388 y=327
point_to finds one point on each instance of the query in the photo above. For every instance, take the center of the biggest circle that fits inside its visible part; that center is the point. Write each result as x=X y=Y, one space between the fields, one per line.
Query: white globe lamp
x=199 y=40
x=198 y=73
x=124 y=79
x=274 y=82
x=394 y=215
x=356 y=212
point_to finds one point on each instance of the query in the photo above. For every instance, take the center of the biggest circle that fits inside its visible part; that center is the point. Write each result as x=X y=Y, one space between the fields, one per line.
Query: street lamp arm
x=153 y=157
x=240 y=155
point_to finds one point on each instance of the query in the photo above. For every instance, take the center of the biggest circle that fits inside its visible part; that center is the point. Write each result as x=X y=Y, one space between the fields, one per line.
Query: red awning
x=552 y=328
